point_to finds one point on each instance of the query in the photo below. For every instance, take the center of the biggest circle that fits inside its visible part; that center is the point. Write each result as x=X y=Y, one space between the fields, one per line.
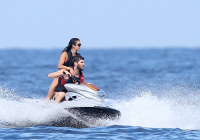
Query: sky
x=99 y=23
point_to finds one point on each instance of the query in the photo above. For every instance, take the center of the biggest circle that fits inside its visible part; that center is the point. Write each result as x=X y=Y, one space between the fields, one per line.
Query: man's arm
x=58 y=74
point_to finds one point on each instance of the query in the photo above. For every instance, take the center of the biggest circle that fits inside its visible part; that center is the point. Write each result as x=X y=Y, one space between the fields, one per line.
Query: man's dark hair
x=77 y=58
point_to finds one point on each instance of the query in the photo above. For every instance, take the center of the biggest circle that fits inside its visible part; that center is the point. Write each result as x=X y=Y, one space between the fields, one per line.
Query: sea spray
x=18 y=111
x=147 y=110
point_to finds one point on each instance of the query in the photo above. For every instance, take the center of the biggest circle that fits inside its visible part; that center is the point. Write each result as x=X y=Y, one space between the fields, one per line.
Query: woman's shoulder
x=64 y=54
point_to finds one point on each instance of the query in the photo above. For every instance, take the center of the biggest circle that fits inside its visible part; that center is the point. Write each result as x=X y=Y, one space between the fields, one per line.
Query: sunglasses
x=78 y=45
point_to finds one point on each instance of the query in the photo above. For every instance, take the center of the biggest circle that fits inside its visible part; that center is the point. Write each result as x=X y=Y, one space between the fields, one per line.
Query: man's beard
x=80 y=68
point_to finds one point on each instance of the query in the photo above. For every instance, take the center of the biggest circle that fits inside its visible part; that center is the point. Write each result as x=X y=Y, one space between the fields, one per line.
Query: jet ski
x=85 y=104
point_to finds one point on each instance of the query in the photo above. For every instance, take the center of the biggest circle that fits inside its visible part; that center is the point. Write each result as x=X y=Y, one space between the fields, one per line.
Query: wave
x=147 y=110
x=18 y=111
x=143 y=110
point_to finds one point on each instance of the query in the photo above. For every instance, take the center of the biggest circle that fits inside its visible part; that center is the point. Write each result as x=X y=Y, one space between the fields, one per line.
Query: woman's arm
x=63 y=57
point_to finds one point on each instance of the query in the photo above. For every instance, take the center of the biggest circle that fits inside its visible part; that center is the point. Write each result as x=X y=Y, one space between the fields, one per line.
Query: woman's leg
x=52 y=89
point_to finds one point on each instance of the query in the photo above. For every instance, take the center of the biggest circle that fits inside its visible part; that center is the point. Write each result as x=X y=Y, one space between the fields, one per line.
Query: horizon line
x=99 y=48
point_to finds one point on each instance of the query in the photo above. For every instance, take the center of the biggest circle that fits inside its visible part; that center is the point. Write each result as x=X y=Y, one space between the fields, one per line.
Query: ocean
x=156 y=90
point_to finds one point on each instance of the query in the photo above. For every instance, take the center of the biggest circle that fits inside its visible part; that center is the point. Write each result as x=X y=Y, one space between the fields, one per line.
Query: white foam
x=147 y=110
x=16 y=111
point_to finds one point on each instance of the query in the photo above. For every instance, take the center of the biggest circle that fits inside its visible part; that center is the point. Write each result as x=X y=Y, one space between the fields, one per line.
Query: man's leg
x=59 y=96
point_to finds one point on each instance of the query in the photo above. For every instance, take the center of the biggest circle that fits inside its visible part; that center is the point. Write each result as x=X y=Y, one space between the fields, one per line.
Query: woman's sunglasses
x=78 y=45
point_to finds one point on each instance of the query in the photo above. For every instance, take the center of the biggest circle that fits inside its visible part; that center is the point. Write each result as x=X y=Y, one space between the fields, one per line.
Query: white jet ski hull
x=86 y=108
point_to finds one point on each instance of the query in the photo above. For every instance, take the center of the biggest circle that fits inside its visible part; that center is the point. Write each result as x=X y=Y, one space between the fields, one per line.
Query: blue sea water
x=156 y=90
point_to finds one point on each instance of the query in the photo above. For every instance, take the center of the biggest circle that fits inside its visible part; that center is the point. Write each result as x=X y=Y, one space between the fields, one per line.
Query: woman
x=65 y=62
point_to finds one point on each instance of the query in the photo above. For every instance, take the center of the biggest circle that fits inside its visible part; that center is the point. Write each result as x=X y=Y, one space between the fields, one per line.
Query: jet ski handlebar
x=74 y=79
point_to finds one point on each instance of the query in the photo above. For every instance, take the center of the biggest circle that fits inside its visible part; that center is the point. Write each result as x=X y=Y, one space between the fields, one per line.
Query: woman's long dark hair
x=71 y=42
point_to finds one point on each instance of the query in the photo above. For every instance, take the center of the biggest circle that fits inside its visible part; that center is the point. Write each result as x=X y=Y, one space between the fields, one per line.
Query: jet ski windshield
x=101 y=93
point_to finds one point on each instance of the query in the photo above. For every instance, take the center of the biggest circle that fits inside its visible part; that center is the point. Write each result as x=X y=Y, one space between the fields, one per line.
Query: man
x=64 y=77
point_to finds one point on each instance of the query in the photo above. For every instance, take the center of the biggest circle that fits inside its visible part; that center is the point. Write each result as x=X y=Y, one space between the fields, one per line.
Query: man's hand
x=66 y=73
